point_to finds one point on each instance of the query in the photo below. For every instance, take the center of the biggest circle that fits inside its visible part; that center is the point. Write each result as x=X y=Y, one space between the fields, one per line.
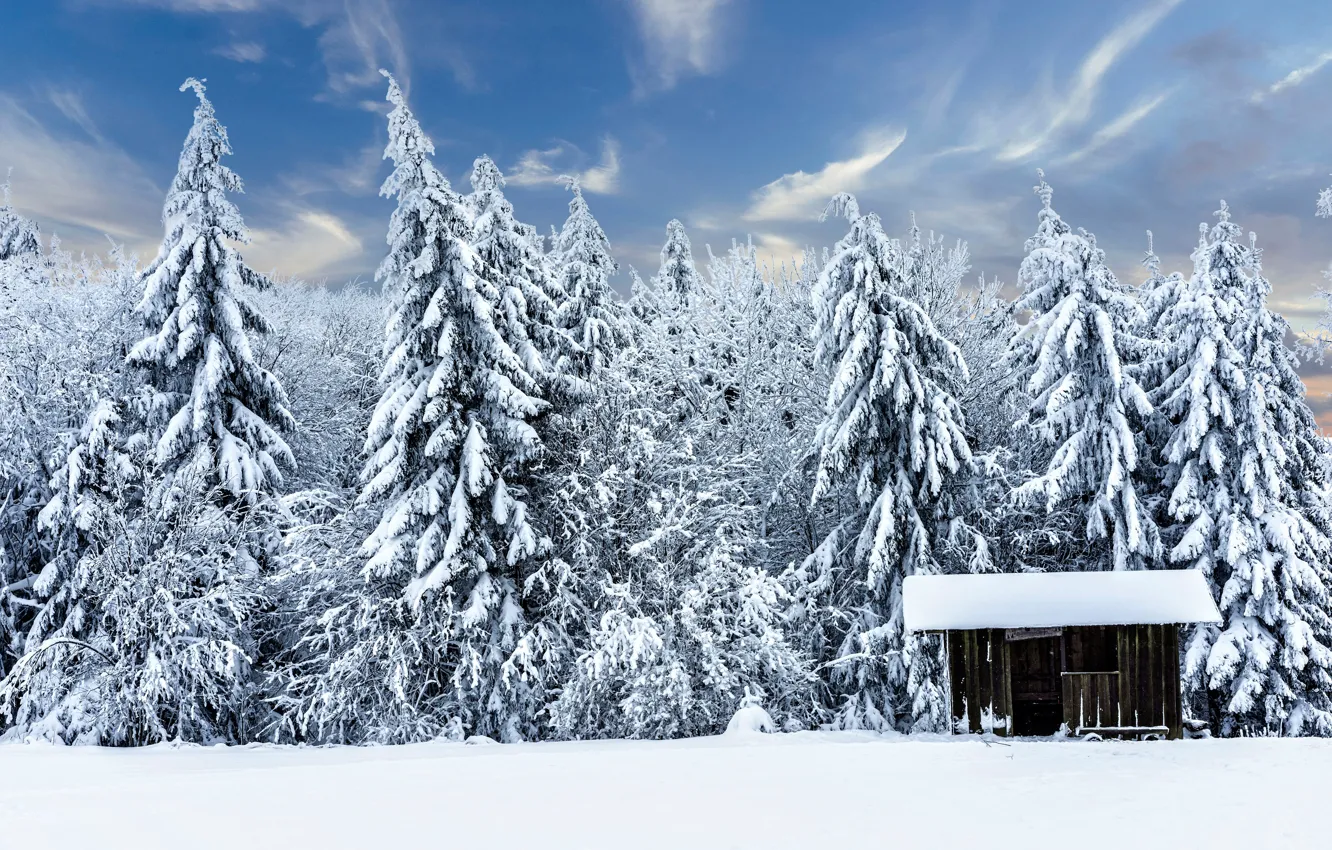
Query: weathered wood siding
x=1149 y=677
x=1091 y=699
x=978 y=671
x=1142 y=691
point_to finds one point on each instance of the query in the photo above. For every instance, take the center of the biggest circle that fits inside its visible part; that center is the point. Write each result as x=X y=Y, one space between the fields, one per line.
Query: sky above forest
x=738 y=117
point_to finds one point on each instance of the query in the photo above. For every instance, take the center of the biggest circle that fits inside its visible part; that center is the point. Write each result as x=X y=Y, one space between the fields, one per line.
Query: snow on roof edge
x=1039 y=600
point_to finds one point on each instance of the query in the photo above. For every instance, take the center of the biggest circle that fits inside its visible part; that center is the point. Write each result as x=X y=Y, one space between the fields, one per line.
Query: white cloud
x=70 y=104
x=357 y=175
x=541 y=168
x=775 y=247
x=680 y=37
x=1294 y=78
x=801 y=196
x=308 y=244
x=358 y=36
x=1118 y=128
x=1074 y=108
x=87 y=190
x=243 y=51
x=83 y=189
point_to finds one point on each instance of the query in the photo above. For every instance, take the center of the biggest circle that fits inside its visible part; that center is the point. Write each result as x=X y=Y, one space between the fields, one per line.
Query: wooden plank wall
x=1091 y=699
x=1149 y=677
x=978 y=662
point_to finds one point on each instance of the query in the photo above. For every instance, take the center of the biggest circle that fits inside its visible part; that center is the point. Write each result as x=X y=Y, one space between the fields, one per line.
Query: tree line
x=492 y=497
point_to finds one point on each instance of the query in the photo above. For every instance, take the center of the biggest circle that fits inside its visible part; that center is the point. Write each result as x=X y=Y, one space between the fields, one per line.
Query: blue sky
x=736 y=116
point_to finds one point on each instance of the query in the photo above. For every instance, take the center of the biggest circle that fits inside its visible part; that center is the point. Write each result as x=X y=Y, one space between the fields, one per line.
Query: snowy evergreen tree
x=143 y=631
x=1269 y=665
x=892 y=438
x=1075 y=359
x=213 y=410
x=19 y=236
x=644 y=299
x=587 y=310
x=677 y=274
x=432 y=627
x=512 y=261
x=21 y=259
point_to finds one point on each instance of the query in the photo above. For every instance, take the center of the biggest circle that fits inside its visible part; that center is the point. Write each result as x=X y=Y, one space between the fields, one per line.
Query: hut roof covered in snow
x=1037 y=600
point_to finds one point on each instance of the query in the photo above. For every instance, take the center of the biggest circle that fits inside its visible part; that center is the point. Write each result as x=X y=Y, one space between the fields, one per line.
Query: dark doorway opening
x=1037 y=689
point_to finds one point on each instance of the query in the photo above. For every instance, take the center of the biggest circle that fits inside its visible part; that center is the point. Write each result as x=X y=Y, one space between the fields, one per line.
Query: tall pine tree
x=214 y=412
x=451 y=439
x=1074 y=357
x=892 y=438
x=588 y=311
x=144 y=631
x=677 y=274
x=1269 y=665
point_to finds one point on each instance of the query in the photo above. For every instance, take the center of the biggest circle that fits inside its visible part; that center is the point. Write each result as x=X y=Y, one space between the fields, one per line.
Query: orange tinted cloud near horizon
x=1319 y=396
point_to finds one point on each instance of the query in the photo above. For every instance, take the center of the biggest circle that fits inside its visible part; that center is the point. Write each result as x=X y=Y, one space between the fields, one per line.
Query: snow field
x=804 y=790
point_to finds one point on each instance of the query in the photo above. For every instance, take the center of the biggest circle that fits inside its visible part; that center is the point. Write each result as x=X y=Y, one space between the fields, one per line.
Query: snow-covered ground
x=806 y=790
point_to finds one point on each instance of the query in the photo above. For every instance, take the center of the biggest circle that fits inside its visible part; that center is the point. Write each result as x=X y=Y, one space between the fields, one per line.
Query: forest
x=492 y=496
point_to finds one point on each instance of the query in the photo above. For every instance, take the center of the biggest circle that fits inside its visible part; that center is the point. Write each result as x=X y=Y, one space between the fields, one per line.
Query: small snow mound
x=480 y=740
x=750 y=718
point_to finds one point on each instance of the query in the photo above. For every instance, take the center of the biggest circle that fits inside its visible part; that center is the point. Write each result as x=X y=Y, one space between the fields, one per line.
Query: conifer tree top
x=18 y=235
x=224 y=407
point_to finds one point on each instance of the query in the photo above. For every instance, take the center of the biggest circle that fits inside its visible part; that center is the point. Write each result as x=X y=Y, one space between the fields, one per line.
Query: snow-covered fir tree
x=587 y=309
x=892 y=438
x=1248 y=469
x=677 y=274
x=513 y=262
x=1075 y=358
x=644 y=300
x=144 y=629
x=213 y=411
x=429 y=633
x=19 y=236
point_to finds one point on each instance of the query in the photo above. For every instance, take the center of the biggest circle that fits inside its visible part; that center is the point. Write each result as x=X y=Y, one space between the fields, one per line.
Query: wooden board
x=978 y=669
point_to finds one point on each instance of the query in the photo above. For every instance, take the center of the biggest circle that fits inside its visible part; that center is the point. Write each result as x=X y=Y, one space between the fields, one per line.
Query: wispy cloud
x=1294 y=78
x=541 y=167
x=1074 y=107
x=71 y=105
x=801 y=195
x=242 y=51
x=358 y=36
x=1118 y=128
x=775 y=247
x=357 y=175
x=680 y=38
x=307 y=244
x=68 y=184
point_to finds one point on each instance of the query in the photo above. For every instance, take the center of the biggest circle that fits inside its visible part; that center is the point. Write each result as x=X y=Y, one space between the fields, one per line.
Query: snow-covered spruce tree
x=19 y=236
x=1075 y=358
x=1257 y=502
x=513 y=262
x=891 y=439
x=429 y=633
x=21 y=258
x=587 y=309
x=161 y=511
x=644 y=300
x=677 y=274
x=212 y=412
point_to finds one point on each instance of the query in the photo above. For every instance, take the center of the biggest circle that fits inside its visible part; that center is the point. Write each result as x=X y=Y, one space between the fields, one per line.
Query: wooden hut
x=1029 y=652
